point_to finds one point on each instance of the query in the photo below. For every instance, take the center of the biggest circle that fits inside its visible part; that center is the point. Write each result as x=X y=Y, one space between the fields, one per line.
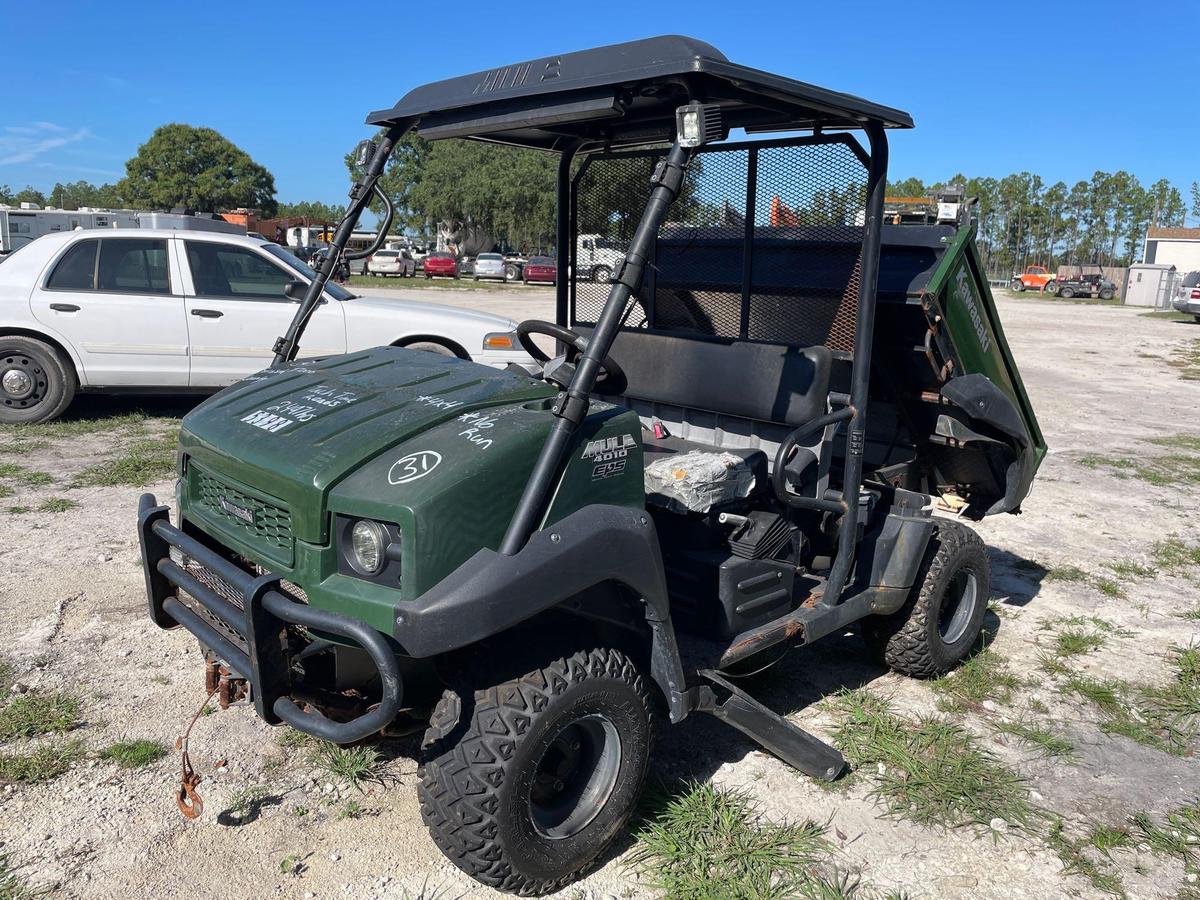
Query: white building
x=1178 y=247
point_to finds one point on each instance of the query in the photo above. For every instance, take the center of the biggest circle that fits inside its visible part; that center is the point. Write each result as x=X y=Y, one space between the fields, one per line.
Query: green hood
x=292 y=433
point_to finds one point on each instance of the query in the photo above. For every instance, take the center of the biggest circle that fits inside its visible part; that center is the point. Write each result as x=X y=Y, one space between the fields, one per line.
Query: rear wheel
x=601 y=274
x=512 y=272
x=524 y=782
x=943 y=616
x=1051 y=288
x=36 y=383
x=1067 y=293
x=1106 y=294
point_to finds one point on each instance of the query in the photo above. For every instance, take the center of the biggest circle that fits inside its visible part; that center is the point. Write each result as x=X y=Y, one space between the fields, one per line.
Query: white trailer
x=21 y=225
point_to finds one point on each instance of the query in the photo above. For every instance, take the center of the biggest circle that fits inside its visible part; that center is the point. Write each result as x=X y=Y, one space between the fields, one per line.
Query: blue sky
x=994 y=88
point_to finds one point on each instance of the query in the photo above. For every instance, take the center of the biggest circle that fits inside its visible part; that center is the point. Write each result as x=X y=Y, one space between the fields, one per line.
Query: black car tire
x=1106 y=295
x=42 y=385
x=1017 y=285
x=1067 y=293
x=601 y=274
x=525 y=780
x=1052 y=288
x=941 y=621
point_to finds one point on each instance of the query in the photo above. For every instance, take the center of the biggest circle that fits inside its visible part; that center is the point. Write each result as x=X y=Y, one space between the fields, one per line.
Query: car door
x=118 y=301
x=237 y=308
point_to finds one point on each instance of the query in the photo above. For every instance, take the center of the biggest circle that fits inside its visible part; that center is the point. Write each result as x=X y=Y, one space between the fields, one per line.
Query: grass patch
x=1173 y=554
x=355 y=765
x=1172 y=315
x=144 y=461
x=66 y=428
x=930 y=771
x=706 y=842
x=37 y=713
x=351 y=809
x=1129 y=568
x=12 y=885
x=7 y=675
x=58 y=505
x=18 y=510
x=984 y=676
x=14 y=476
x=1066 y=573
x=1108 y=587
x=1045 y=740
x=43 y=763
x=1076 y=642
x=1186 y=360
x=1179 y=836
x=134 y=754
x=292 y=739
x=1075 y=861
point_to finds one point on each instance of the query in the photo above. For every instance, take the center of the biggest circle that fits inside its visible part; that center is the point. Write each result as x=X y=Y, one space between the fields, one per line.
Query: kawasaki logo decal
x=414 y=466
x=971 y=301
x=242 y=513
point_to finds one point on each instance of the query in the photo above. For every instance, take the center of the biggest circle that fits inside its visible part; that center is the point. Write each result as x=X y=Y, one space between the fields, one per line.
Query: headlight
x=368 y=541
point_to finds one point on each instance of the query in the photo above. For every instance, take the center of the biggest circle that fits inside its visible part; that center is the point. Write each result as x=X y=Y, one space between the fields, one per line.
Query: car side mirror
x=296 y=290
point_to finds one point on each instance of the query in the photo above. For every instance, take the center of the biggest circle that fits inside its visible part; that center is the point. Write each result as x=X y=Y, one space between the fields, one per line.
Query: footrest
x=792 y=744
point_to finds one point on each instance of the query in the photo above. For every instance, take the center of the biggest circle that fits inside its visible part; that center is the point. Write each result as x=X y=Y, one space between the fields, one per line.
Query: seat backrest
x=764 y=382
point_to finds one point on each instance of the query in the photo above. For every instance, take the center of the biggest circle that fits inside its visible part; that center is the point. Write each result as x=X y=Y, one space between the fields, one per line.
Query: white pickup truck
x=169 y=310
x=596 y=257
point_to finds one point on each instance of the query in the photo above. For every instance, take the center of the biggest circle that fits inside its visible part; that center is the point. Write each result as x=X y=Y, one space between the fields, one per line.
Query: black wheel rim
x=575 y=777
x=958 y=606
x=23 y=381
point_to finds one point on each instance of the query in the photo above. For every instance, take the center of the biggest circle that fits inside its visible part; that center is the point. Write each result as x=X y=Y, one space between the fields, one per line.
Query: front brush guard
x=261 y=620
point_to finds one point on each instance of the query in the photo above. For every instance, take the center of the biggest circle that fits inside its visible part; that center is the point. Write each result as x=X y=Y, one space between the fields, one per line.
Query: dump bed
x=765 y=245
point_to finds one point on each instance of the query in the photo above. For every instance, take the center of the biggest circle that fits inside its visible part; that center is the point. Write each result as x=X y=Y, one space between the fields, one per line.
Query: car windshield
x=337 y=292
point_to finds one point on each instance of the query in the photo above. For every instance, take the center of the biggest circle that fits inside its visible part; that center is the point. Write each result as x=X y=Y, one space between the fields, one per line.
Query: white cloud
x=25 y=143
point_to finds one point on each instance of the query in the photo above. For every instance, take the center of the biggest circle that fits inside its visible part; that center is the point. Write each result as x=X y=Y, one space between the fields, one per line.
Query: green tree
x=83 y=193
x=197 y=168
x=28 y=194
x=907 y=187
x=1196 y=199
x=314 y=210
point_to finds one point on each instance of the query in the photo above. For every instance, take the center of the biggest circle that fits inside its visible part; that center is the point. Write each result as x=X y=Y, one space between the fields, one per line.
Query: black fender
x=491 y=592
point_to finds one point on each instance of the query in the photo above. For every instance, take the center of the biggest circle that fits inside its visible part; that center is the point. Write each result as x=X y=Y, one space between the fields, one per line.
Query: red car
x=441 y=263
x=540 y=269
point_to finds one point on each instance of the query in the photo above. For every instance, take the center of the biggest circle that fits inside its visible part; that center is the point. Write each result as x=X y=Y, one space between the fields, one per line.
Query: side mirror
x=296 y=290
x=363 y=153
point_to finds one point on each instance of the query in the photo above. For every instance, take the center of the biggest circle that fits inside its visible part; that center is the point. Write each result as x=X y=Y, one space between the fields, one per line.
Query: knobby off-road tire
x=525 y=782
x=943 y=616
x=36 y=383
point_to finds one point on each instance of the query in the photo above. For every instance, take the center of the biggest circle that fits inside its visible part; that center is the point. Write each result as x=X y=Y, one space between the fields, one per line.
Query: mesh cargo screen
x=763 y=243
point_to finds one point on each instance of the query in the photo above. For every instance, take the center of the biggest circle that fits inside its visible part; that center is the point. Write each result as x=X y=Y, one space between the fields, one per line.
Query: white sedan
x=155 y=310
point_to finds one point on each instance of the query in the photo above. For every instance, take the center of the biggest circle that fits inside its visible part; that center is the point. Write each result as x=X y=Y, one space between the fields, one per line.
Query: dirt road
x=1102 y=554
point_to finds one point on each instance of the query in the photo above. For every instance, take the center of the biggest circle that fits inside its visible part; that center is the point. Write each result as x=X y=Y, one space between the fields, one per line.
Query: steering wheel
x=612 y=378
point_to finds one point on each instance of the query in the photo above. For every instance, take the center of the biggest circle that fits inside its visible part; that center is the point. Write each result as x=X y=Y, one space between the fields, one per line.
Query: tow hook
x=220 y=681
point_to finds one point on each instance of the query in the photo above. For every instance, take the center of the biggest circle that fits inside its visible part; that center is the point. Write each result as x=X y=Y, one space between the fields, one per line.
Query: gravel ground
x=71 y=598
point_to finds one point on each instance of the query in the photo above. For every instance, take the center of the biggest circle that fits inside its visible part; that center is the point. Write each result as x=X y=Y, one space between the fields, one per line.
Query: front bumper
x=259 y=621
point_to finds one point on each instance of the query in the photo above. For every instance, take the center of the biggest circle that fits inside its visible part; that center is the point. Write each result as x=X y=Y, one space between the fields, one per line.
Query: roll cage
x=603 y=104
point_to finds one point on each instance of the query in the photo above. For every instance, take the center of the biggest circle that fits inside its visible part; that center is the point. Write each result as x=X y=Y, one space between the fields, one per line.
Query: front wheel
x=1052 y=288
x=524 y=782
x=1017 y=285
x=1067 y=293
x=602 y=274
x=943 y=616
x=1106 y=295
x=36 y=383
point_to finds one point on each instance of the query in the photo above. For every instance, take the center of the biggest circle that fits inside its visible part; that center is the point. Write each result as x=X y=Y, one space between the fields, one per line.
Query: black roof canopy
x=622 y=94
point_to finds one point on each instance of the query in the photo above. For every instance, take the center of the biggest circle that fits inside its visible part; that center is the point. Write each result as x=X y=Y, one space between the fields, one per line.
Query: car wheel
x=1067 y=293
x=430 y=347
x=601 y=274
x=511 y=272
x=428 y=277
x=941 y=621
x=36 y=383
x=1106 y=295
x=532 y=766
x=1017 y=285
x=1052 y=288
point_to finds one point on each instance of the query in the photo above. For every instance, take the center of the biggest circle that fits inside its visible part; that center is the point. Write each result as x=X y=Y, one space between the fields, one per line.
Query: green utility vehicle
x=738 y=449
